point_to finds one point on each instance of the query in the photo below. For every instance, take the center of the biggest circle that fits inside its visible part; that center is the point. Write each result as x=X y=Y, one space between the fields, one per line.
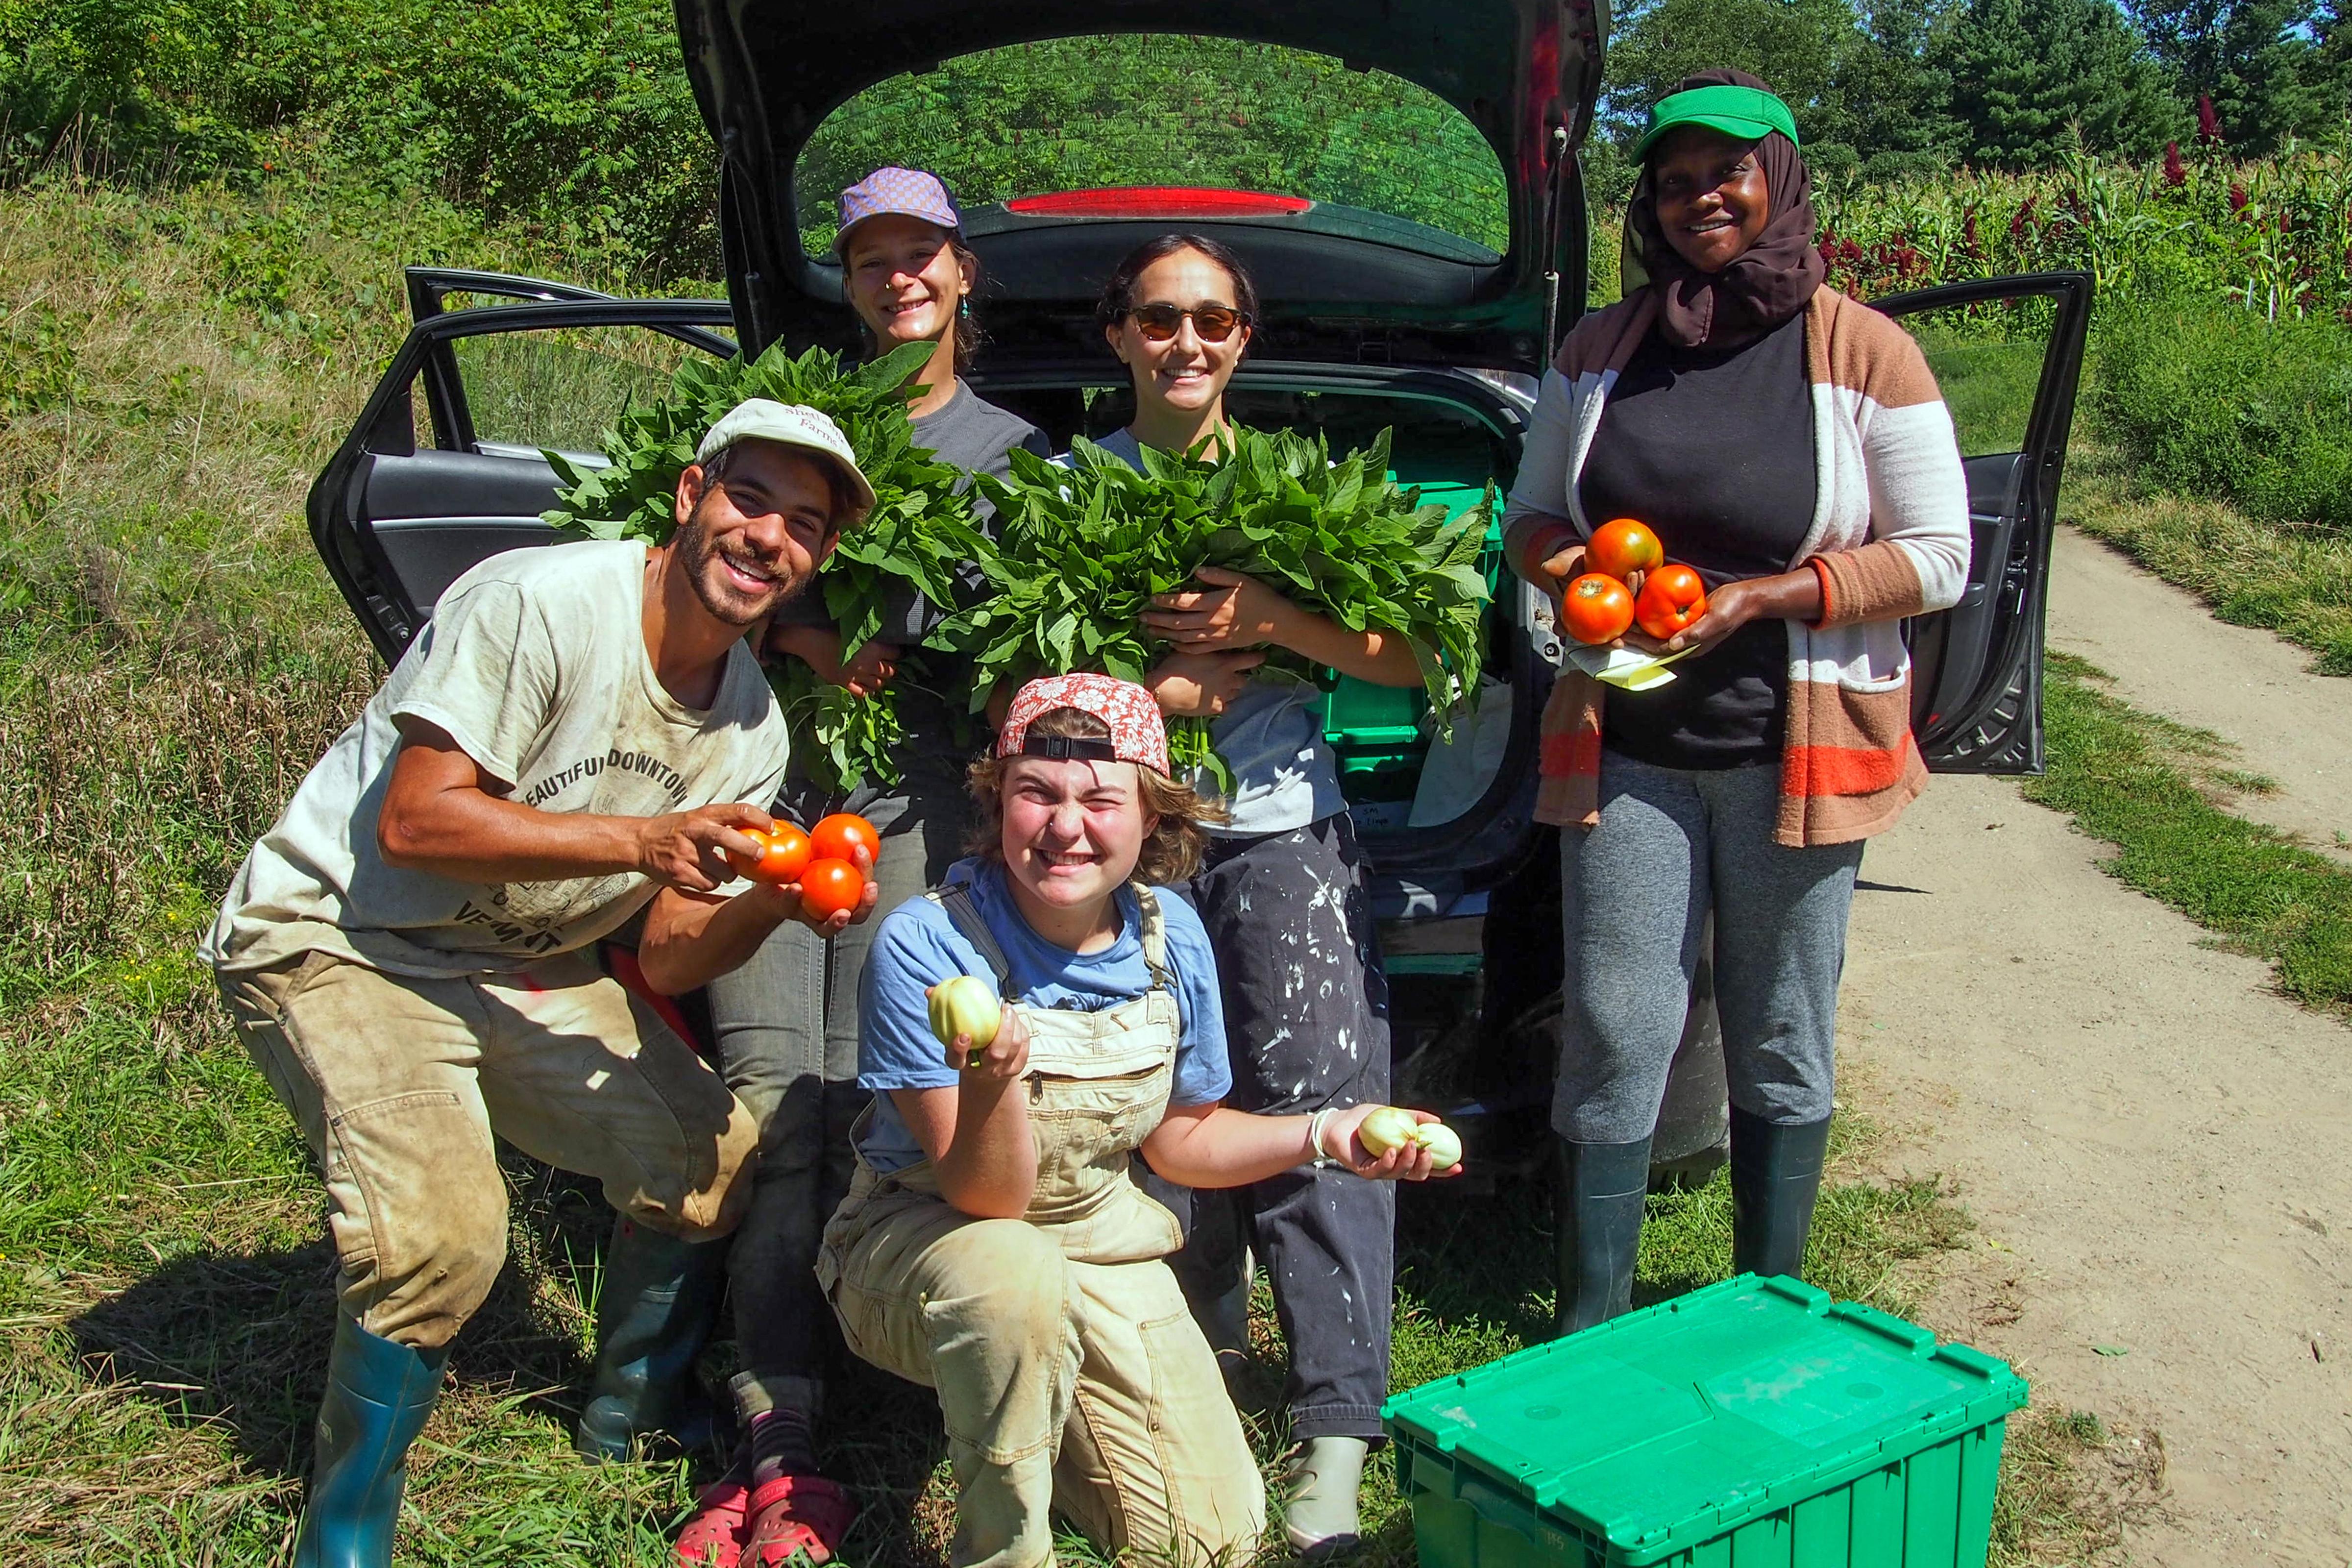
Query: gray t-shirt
x=1285 y=773
x=535 y=664
x=974 y=434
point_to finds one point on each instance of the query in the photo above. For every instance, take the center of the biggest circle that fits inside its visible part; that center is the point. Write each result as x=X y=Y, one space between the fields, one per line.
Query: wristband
x=1314 y=1126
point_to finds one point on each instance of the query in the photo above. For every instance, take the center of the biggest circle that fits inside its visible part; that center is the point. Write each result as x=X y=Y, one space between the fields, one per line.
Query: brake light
x=1157 y=201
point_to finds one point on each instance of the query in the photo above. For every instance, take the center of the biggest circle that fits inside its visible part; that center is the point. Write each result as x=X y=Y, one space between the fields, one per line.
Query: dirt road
x=2169 y=657
x=2157 y=1147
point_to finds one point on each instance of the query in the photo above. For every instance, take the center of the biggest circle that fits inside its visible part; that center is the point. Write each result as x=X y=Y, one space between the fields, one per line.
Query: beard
x=707 y=573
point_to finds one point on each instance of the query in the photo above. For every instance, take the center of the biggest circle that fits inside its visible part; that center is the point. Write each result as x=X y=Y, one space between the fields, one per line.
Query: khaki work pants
x=399 y=1083
x=1082 y=1387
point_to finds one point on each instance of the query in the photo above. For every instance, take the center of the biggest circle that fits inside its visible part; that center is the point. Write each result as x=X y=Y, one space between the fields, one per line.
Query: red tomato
x=783 y=851
x=1596 y=608
x=1672 y=597
x=835 y=836
x=828 y=887
x=1621 y=547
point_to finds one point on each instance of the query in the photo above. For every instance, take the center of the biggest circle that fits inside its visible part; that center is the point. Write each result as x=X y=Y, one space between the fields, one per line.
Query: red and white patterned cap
x=1138 y=734
x=911 y=193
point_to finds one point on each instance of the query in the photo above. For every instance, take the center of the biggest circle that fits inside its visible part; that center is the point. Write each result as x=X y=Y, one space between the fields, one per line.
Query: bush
x=2213 y=399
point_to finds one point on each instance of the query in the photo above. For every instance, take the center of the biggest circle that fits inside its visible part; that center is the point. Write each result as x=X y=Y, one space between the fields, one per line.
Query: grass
x=2294 y=581
x=2147 y=785
x=174 y=368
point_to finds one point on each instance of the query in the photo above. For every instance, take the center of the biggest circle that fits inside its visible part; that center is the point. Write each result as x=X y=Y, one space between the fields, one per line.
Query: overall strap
x=1154 y=936
x=956 y=899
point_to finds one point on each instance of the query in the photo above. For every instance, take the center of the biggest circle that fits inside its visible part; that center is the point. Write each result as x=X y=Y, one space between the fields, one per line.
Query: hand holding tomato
x=1596 y=609
x=783 y=853
x=1672 y=599
x=1623 y=546
x=841 y=836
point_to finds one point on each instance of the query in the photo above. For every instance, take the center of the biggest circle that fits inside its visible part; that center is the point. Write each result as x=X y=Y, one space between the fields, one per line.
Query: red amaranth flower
x=2173 y=174
x=2022 y=221
x=2209 y=122
x=1968 y=233
x=1848 y=251
x=2238 y=197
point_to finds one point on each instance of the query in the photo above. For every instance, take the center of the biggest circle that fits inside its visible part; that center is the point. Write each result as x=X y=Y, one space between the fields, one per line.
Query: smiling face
x=1187 y=372
x=1072 y=830
x=905 y=281
x=753 y=537
x=1711 y=197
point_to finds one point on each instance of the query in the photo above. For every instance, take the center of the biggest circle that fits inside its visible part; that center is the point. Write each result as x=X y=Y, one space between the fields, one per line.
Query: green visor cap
x=1745 y=112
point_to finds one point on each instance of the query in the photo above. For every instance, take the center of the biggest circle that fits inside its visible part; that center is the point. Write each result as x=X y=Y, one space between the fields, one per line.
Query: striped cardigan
x=1889 y=539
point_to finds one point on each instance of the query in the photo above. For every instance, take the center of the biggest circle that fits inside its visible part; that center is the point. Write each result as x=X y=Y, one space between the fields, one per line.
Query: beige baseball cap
x=789 y=424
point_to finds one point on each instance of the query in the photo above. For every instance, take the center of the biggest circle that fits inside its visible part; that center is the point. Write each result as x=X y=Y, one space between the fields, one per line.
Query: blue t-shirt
x=917 y=946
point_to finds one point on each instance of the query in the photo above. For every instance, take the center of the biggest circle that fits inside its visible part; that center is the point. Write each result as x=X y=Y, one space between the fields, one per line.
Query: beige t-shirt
x=535 y=664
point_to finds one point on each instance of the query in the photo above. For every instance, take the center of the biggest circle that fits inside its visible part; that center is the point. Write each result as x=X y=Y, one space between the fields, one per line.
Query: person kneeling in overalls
x=994 y=1246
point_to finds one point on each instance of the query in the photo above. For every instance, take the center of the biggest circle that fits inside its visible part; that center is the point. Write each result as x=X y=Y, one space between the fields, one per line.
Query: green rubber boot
x=653 y=1312
x=1597 y=1226
x=378 y=1396
x=1775 y=1173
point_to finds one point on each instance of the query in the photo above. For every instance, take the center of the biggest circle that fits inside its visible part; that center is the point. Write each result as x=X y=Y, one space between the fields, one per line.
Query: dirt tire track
x=2156 y=1145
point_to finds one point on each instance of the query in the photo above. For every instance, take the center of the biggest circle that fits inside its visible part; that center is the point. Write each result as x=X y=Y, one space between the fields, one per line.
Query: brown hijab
x=1768 y=283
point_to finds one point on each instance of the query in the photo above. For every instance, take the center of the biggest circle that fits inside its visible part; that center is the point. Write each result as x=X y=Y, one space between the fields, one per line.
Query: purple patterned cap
x=908 y=191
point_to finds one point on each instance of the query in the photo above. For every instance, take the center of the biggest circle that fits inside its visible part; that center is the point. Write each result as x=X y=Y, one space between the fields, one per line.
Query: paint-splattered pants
x=1307 y=1025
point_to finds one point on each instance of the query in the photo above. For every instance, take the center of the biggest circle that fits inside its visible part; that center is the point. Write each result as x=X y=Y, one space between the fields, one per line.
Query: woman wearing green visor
x=1791 y=445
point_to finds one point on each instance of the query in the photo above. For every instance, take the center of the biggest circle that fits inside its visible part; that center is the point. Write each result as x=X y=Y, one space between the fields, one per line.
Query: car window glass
x=1986 y=361
x=1106 y=114
x=562 y=387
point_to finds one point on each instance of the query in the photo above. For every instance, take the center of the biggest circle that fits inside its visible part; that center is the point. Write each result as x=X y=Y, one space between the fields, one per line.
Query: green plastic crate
x=1750 y=1425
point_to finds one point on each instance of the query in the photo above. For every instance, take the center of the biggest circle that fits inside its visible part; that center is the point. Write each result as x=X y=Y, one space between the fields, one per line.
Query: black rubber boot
x=378 y=1394
x=1775 y=1173
x=653 y=1312
x=1597 y=1224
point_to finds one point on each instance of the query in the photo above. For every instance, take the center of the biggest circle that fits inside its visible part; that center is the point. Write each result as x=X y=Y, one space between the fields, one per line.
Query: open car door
x=443 y=468
x=2008 y=354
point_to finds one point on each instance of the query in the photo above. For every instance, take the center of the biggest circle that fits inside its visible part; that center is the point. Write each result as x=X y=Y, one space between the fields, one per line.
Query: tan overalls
x=1070 y=1371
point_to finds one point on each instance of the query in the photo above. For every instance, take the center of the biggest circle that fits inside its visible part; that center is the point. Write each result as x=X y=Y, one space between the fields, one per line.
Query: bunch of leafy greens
x=1079 y=553
x=920 y=529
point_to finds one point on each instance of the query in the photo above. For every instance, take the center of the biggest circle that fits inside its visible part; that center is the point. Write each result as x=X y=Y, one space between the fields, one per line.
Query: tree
x=1798 y=46
x=2260 y=61
x=2029 y=76
x=1896 y=91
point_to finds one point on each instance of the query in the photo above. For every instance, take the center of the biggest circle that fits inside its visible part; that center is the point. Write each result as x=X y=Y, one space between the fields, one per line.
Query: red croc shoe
x=714 y=1538
x=796 y=1514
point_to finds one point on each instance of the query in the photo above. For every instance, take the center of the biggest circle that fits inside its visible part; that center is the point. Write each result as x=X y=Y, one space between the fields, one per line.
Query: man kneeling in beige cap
x=410 y=952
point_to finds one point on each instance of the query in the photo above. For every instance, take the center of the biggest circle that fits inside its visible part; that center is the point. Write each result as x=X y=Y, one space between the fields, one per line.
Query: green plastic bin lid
x=1667 y=1427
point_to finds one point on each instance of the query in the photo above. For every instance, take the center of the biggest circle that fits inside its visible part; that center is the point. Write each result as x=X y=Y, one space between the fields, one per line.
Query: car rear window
x=1156 y=109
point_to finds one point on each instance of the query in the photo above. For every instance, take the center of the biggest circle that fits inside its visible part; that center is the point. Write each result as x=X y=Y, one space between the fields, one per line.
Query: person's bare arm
x=977 y=1134
x=692 y=938
x=1214 y=1146
x=1235 y=610
x=443 y=813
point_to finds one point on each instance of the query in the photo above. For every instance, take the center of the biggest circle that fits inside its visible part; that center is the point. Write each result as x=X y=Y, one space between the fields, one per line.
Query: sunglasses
x=1214 y=323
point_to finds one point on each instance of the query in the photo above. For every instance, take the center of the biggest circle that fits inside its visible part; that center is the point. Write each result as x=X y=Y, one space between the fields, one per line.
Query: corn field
x=2274 y=236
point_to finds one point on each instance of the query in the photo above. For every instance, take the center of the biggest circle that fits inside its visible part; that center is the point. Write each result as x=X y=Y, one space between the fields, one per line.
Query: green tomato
x=965 y=1006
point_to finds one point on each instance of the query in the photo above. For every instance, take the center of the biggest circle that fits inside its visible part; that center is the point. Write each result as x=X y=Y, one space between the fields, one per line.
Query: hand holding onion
x=1399 y=1140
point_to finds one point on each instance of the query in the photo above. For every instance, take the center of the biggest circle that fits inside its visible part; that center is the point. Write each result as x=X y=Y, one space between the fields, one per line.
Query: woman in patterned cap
x=994 y=1246
x=786 y=1022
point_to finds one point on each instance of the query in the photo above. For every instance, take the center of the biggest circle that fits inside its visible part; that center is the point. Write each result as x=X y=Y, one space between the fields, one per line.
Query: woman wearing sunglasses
x=1281 y=892
x=786 y=1023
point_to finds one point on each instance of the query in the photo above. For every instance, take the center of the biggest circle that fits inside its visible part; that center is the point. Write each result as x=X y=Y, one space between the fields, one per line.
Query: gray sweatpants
x=786 y=1029
x=1637 y=888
